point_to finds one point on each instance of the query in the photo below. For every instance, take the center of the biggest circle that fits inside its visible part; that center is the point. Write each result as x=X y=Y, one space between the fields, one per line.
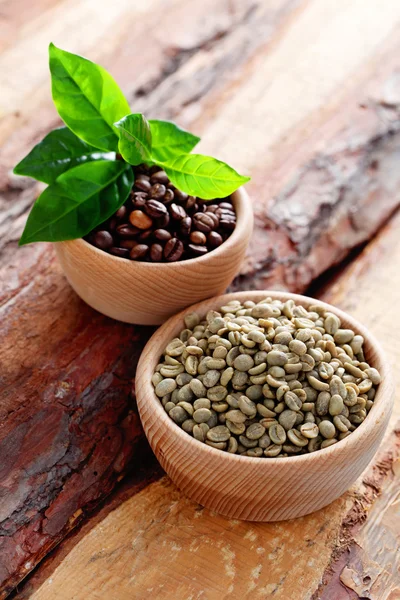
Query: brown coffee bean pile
x=159 y=223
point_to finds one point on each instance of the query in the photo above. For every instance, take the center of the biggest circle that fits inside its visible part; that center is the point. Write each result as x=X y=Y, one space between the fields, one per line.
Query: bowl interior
x=156 y=345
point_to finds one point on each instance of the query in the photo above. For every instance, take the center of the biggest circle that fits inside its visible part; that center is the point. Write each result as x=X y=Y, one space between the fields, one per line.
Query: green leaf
x=168 y=140
x=203 y=176
x=87 y=98
x=78 y=201
x=58 y=152
x=135 y=138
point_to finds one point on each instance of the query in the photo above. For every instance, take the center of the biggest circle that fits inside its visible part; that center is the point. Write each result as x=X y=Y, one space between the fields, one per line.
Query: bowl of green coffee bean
x=264 y=405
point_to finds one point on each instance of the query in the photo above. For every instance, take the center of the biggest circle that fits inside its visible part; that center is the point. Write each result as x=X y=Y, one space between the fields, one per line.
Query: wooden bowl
x=149 y=293
x=259 y=489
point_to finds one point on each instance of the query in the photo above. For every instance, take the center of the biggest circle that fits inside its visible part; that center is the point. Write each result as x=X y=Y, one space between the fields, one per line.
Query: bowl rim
x=383 y=400
x=244 y=214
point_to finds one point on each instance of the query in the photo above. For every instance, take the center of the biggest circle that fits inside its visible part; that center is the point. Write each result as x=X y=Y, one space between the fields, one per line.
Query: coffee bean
x=144 y=236
x=168 y=197
x=214 y=239
x=121 y=252
x=190 y=203
x=156 y=252
x=159 y=177
x=163 y=221
x=103 y=240
x=121 y=212
x=138 y=199
x=173 y=250
x=185 y=226
x=157 y=191
x=203 y=222
x=139 y=251
x=142 y=184
x=128 y=243
x=126 y=231
x=140 y=220
x=228 y=225
x=180 y=196
x=177 y=212
x=198 y=238
x=155 y=209
x=197 y=250
x=155 y=205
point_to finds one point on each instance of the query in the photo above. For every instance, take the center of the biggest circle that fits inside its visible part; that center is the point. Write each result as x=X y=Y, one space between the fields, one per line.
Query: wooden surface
x=305 y=96
x=267 y=490
x=149 y=293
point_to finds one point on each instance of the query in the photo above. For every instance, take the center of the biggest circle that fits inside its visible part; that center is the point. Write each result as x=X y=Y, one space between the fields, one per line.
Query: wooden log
x=159 y=543
x=68 y=369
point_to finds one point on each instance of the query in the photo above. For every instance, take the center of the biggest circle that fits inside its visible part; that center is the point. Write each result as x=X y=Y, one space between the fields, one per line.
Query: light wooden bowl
x=259 y=489
x=149 y=293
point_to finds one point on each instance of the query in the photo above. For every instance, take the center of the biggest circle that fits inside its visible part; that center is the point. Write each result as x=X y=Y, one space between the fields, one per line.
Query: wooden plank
x=160 y=543
x=352 y=171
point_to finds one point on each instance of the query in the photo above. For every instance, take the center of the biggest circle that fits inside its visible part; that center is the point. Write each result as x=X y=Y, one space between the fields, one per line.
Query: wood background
x=304 y=95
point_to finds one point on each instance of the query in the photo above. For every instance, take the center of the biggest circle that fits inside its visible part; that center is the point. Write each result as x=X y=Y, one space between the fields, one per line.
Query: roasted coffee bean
x=163 y=221
x=190 y=203
x=139 y=251
x=121 y=252
x=197 y=250
x=177 y=212
x=156 y=252
x=138 y=199
x=198 y=238
x=214 y=239
x=142 y=183
x=180 y=196
x=121 y=212
x=159 y=177
x=168 y=197
x=127 y=231
x=173 y=250
x=157 y=191
x=140 y=220
x=103 y=240
x=203 y=222
x=128 y=243
x=229 y=225
x=155 y=209
x=162 y=235
x=155 y=204
x=185 y=226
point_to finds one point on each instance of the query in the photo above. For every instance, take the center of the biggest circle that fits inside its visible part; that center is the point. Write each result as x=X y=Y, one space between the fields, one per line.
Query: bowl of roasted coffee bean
x=264 y=405
x=161 y=251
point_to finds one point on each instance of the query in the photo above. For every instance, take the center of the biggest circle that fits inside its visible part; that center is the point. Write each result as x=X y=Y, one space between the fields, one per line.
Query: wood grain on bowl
x=258 y=489
x=148 y=293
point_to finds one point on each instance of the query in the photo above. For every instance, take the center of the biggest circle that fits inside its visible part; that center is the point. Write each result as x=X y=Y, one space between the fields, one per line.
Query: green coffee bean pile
x=266 y=380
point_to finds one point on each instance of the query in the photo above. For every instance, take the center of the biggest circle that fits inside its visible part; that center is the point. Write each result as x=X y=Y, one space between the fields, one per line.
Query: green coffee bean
x=273 y=450
x=202 y=415
x=277 y=434
x=201 y=403
x=255 y=431
x=166 y=386
x=327 y=429
x=309 y=430
x=271 y=379
x=336 y=405
x=220 y=433
x=292 y=401
x=247 y=406
x=178 y=414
